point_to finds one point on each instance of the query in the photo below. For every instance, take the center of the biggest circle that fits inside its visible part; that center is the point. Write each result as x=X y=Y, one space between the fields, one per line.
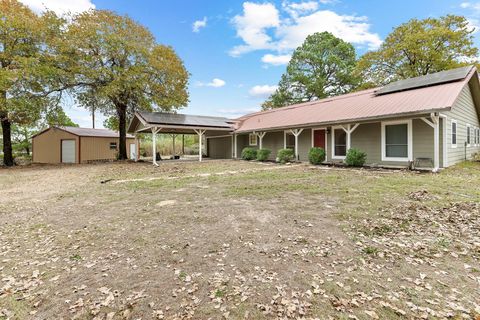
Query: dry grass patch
x=232 y=239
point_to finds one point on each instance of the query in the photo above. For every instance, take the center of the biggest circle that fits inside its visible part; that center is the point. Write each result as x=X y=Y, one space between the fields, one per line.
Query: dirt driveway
x=236 y=240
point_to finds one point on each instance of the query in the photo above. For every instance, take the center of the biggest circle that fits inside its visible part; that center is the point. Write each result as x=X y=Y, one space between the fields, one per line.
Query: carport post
x=200 y=133
x=155 y=130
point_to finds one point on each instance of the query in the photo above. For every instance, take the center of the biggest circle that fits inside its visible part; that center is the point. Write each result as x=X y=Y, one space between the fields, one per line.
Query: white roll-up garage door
x=68 y=151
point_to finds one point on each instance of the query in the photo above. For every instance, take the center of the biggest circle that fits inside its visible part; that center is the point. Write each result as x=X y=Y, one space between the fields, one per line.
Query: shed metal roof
x=88 y=132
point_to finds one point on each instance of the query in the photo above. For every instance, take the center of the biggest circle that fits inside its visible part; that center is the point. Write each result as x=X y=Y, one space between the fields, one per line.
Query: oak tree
x=419 y=47
x=117 y=67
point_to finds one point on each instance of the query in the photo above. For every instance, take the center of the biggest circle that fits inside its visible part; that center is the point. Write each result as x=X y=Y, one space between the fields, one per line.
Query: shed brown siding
x=98 y=149
x=46 y=147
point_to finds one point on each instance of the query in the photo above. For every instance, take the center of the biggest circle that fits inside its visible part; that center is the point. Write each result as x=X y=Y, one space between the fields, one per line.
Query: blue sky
x=236 y=51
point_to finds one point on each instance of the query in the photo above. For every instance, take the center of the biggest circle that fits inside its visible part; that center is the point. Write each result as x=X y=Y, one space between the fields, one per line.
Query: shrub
x=355 y=158
x=262 y=154
x=249 y=153
x=316 y=155
x=285 y=155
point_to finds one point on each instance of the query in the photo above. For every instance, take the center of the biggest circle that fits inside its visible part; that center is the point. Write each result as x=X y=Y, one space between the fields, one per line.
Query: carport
x=174 y=123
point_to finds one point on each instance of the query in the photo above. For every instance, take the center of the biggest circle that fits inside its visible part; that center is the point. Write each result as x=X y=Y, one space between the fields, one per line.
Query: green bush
x=249 y=153
x=263 y=154
x=316 y=155
x=355 y=158
x=285 y=155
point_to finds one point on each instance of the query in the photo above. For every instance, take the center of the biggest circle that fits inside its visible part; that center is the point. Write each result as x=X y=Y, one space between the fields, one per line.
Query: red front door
x=319 y=138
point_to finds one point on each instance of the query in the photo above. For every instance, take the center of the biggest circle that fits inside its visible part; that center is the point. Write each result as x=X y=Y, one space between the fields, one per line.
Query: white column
x=296 y=133
x=349 y=131
x=200 y=133
x=155 y=130
x=235 y=146
x=260 y=136
x=137 y=149
x=435 y=124
x=436 y=143
x=173 y=144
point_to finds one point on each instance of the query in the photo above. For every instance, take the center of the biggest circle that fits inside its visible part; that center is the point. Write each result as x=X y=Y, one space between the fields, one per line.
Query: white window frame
x=334 y=156
x=454 y=145
x=250 y=135
x=409 y=141
x=468 y=135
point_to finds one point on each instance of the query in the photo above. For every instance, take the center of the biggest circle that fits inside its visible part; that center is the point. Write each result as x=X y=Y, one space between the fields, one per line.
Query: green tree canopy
x=27 y=69
x=321 y=67
x=417 y=48
x=117 y=67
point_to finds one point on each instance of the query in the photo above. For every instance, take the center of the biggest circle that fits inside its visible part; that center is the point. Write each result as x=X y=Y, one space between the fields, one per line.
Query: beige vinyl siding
x=304 y=144
x=464 y=112
x=46 y=147
x=367 y=138
x=219 y=148
x=274 y=142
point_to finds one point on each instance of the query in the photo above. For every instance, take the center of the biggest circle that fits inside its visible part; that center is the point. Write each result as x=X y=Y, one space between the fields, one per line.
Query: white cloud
x=262 y=91
x=59 y=6
x=215 y=83
x=252 y=25
x=264 y=27
x=296 y=9
x=197 y=25
x=276 y=60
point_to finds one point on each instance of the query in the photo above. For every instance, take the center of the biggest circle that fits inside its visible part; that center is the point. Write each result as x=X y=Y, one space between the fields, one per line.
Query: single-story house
x=78 y=145
x=433 y=117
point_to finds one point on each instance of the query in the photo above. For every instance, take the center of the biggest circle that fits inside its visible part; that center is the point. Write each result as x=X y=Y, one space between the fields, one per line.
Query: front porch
x=389 y=142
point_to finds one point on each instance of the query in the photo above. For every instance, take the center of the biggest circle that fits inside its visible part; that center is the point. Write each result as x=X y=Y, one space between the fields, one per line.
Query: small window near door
x=252 y=139
x=340 y=142
x=289 y=140
x=113 y=146
x=454 y=133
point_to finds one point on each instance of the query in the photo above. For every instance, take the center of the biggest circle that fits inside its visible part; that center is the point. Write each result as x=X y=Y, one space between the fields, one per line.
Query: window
x=468 y=135
x=113 y=146
x=252 y=139
x=396 y=141
x=289 y=140
x=478 y=136
x=339 y=142
x=454 y=133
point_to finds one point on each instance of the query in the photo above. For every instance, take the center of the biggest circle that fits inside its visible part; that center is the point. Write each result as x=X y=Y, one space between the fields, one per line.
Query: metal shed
x=78 y=145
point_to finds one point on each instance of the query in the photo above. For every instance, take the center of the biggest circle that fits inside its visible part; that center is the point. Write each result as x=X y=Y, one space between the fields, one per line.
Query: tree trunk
x=7 y=140
x=27 y=149
x=122 y=123
x=6 y=131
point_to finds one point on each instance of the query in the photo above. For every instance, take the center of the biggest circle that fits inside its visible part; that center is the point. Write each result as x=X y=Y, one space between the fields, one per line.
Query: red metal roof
x=357 y=106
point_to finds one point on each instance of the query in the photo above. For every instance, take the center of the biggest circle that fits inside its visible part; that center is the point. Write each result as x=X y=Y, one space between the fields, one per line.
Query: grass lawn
x=236 y=240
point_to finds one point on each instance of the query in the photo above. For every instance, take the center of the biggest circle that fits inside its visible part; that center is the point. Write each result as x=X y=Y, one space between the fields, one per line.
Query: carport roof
x=178 y=121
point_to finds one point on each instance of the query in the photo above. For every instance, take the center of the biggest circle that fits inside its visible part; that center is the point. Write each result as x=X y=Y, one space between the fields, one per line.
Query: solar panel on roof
x=185 y=119
x=425 y=81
